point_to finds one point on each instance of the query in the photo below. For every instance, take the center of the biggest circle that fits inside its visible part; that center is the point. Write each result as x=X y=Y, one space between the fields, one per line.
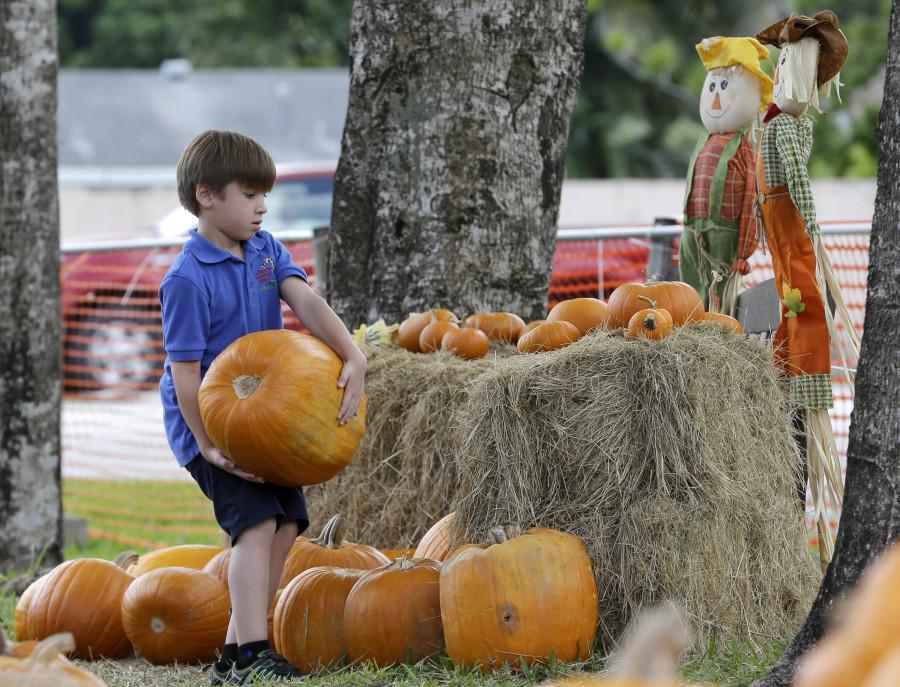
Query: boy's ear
x=205 y=196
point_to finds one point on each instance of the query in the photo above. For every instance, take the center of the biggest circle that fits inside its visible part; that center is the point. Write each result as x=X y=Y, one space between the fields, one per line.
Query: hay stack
x=674 y=461
x=404 y=476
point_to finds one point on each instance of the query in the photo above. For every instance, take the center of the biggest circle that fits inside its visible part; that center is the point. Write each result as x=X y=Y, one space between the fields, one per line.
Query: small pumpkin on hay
x=270 y=401
x=587 y=314
x=651 y=322
x=411 y=328
x=466 y=342
x=681 y=301
x=549 y=336
x=499 y=326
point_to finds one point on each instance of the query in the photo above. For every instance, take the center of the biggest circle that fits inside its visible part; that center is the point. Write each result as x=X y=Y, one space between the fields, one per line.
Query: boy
x=221 y=287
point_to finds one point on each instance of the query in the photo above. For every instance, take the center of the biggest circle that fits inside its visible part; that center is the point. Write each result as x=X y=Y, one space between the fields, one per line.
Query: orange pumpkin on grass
x=587 y=314
x=44 y=665
x=217 y=566
x=309 y=616
x=868 y=633
x=393 y=614
x=185 y=555
x=82 y=596
x=530 y=597
x=270 y=401
x=680 y=299
x=176 y=614
x=20 y=616
x=549 y=336
x=436 y=542
x=468 y=342
x=330 y=548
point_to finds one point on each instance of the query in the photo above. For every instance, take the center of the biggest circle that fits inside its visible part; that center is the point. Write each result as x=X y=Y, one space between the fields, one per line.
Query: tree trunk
x=871 y=517
x=447 y=191
x=30 y=505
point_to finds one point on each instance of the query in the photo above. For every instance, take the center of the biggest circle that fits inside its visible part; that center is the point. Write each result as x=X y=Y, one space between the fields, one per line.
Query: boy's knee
x=265 y=528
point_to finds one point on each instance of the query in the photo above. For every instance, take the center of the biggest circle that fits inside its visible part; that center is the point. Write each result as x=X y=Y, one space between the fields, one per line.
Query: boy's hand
x=352 y=379
x=214 y=455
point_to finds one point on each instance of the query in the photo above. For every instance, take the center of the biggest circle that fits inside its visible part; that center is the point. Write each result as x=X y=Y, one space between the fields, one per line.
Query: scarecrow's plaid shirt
x=786 y=145
x=738 y=194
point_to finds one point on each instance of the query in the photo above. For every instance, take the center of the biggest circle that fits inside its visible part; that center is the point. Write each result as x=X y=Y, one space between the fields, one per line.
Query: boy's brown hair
x=216 y=158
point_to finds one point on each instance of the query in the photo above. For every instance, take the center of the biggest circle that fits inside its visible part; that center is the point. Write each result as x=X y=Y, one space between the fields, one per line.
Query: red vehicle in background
x=112 y=330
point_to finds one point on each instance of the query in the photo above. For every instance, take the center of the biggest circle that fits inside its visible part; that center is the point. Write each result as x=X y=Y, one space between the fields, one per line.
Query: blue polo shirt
x=209 y=298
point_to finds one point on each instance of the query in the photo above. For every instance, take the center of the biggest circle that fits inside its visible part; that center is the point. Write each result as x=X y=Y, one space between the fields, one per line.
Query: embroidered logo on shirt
x=265 y=275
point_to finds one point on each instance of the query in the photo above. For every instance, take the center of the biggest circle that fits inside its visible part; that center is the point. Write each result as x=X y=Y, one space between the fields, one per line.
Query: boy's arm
x=320 y=319
x=186 y=376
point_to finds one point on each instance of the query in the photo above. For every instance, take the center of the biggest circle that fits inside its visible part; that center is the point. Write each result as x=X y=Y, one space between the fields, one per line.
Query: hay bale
x=674 y=460
x=404 y=476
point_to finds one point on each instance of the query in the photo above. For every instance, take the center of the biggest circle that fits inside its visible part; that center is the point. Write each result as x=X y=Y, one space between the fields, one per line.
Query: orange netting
x=113 y=353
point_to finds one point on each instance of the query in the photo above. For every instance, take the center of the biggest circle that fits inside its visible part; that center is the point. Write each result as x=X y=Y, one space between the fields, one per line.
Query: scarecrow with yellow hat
x=813 y=49
x=720 y=230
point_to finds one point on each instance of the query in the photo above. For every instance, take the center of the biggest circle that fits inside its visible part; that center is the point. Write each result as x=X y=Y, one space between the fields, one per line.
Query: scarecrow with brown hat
x=720 y=230
x=813 y=49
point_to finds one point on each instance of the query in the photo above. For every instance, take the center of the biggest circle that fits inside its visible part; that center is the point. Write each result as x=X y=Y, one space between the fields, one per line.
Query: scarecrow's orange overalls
x=786 y=206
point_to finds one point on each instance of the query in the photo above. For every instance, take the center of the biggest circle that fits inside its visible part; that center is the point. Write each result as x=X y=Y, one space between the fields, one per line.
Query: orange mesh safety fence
x=113 y=354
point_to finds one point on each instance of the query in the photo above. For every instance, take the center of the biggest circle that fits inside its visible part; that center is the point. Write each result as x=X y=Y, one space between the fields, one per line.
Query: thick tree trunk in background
x=30 y=505
x=871 y=515
x=447 y=191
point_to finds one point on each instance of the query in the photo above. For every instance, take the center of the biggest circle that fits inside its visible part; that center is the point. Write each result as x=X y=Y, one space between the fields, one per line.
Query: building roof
x=143 y=118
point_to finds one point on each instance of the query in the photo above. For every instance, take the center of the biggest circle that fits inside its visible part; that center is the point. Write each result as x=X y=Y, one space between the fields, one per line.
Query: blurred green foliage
x=636 y=114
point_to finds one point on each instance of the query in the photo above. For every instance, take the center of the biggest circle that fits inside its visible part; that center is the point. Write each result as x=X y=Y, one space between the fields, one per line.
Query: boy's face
x=236 y=213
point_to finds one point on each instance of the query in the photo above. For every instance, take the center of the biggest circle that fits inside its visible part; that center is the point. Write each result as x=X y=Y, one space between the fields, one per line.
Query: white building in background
x=121 y=133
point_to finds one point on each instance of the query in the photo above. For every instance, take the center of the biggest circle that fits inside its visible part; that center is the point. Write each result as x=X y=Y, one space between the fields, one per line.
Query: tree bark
x=871 y=515
x=447 y=191
x=30 y=504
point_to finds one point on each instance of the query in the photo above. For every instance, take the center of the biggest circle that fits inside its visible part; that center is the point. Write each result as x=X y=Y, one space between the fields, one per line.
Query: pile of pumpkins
x=648 y=310
x=521 y=597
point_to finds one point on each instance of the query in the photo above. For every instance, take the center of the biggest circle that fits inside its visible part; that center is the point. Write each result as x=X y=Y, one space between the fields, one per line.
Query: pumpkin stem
x=405 y=562
x=126 y=559
x=333 y=533
x=52 y=647
x=650 y=301
x=245 y=385
x=501 y=535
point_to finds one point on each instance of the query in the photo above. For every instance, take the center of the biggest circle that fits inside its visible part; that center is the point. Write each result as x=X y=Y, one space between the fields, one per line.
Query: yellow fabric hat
x=747 y=52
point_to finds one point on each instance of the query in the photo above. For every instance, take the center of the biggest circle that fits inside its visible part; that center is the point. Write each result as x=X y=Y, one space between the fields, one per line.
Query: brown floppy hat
x=824 y=27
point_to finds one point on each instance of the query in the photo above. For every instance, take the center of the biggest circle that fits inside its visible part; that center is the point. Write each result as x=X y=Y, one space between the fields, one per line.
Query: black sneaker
x=268 y=665
x=219 y=673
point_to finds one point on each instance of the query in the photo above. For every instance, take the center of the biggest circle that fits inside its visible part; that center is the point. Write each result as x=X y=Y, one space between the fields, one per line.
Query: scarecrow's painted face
x=789 y=90
x=730 y=99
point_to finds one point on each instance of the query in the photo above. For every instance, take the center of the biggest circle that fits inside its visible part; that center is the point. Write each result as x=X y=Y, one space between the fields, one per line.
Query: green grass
x=123 y=515
x=140 y=516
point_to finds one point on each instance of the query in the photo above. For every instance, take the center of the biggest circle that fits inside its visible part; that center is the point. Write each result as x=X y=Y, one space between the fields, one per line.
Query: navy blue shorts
x=239 y=504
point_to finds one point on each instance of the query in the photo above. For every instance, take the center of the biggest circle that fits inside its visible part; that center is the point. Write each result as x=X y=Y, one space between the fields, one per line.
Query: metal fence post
x=659 y=261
